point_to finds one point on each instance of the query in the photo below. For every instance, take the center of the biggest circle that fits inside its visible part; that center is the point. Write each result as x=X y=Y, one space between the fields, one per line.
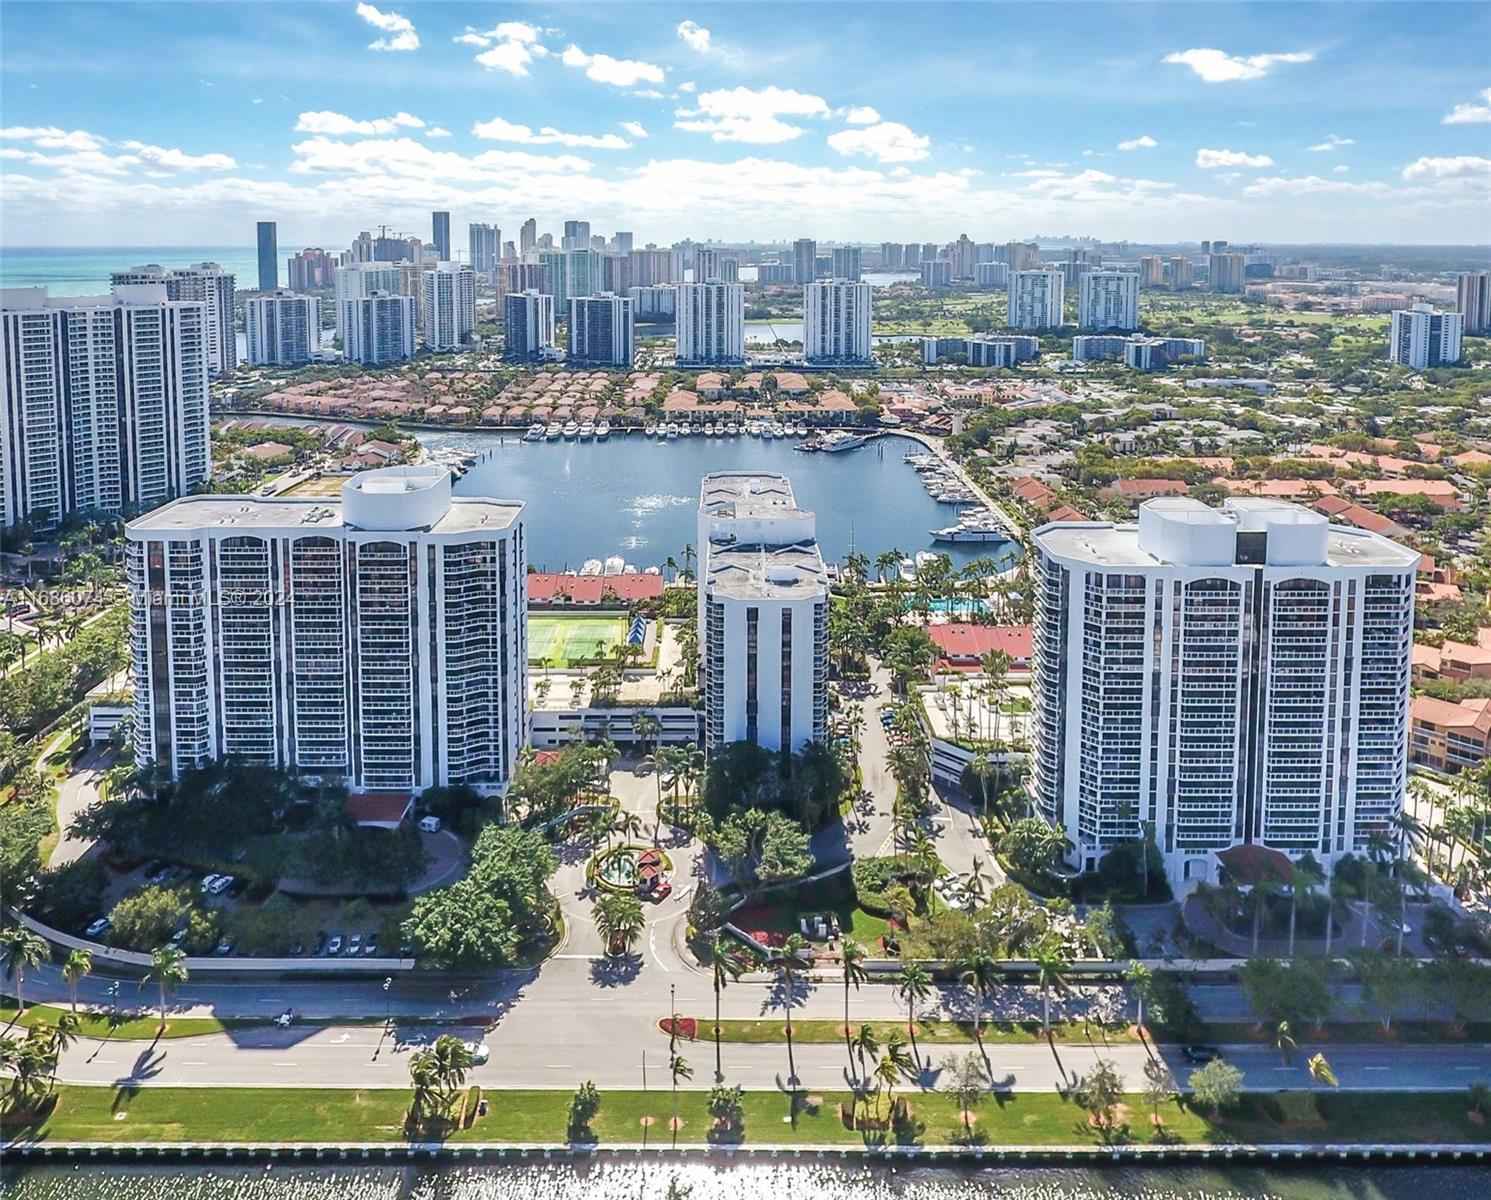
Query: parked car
x=354 y=944
x=371 y=945
x=430 y=824
x=177 y=938
x=209 y=882
x=335 y=945
x=1200 y=1054
x=221 y=884
x=224 y=947
x=479 y=1053
x=99 y=927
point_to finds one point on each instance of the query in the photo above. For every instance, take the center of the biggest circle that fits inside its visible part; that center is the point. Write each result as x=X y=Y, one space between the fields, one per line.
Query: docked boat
x=672 y=430
x=768 y=431
x=571 y=430
x=837 y=441
x=685 y=429
x=709 y=429
x=591 y=566
x=535 y=433
x=907 y=570
x=754 y=428
x=615 y=564
x=801 y=429
x=552 y=434
x=975 y=527
x=809 y=445
x=650 y=429
x=926 y=558
x=732 y=429
x=587 y=430
x=602 y=430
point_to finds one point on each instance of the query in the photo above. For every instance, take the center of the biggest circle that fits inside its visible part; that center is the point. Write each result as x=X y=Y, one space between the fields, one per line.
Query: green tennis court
x=562 y=640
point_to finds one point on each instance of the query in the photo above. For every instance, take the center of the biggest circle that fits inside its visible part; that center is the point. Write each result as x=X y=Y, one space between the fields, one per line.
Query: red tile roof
x=960 y=640
x=379 y=808
x=547 y=587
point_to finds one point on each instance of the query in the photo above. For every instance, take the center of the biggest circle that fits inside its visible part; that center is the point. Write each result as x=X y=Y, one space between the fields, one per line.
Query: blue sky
x=182 y=123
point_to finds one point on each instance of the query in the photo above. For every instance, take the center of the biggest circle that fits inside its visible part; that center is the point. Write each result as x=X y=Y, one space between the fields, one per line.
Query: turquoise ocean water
x=84 y=271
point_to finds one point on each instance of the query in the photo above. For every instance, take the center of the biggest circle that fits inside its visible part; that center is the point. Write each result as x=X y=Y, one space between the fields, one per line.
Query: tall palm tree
x=452 y=1060
x=866 y=1045
x=678 y=1068
x=894 y=1064
x=79 y=963
x=1051 y=968
x=791 y=964
x=980 y=970
x=1141 y=981
x=21 y=950
x=974 y=883
x=424 y=1077
x=914 y=986
x=1303 y=876
x=854 y=974
x=724 y=967
x=167 y=971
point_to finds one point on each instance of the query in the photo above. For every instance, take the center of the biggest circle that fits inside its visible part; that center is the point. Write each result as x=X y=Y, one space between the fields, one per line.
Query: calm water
x=74 y=271
x=753 y=1181
x=639 y=498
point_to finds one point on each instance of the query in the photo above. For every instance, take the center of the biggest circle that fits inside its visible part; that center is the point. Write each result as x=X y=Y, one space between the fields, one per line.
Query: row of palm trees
x=21 y=951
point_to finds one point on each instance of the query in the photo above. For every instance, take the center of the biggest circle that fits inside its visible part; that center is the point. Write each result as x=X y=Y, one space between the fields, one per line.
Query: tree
x=583 y=1106
x=914 y=986
x=1389 y=983
x=724 y=967
x=762 y=848
x=1141 y=983
x=1283 y=1041
x=727 y=1106
x=79 y=963
x=619 y=920
x=1099 y=1094
x=149 y=917
x=1052 y=965
x=678 y=1068
x=22 y=951
x=1159 y=1086
x=894 y=1064
x=966 y=1079
x=1216 y=1086
x=791 y=963
x=980 y=970
x=854 y=975
x=1321 y=1072
x=167 y=972
x=866 y=1046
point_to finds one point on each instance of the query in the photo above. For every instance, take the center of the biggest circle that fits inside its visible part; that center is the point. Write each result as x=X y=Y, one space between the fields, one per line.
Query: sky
x=184 y=123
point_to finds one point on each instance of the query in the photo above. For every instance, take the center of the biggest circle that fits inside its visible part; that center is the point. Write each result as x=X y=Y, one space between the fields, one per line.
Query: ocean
x=85 y=270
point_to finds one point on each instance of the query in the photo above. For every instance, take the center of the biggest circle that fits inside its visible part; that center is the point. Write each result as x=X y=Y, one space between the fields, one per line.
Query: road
x=79 y=791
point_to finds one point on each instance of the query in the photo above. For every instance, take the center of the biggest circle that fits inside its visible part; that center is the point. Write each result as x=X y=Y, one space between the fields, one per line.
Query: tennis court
x=564 y=640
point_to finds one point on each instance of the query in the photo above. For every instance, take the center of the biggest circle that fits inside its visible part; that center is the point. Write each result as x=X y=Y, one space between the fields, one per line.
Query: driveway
x=79 y=791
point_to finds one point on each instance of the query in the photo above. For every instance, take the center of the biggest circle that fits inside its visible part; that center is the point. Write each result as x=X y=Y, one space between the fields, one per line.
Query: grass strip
x=125 y=1027
x=995 y=1033
x=244 y=1115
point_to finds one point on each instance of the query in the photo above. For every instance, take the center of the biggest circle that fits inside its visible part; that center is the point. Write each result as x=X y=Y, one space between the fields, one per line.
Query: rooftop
x=792 y=572
x=743 y=493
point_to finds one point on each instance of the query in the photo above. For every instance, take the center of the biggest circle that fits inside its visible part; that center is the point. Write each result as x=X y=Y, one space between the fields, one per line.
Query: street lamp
x=114 y=998
x=387 y=984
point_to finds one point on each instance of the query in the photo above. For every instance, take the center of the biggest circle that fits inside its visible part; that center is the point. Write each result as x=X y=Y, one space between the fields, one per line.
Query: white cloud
x=437 y=131
x=163 y=158
x=1142 y=142
x=509 y=46
x=1471 y=114
x=1312 y=185
x=499 y=130
x=49 y=137
x=1331 y=143
x=695 y=35
x=1209 y=160
x=861 y=114
x=1035 y=173
x=619 y=72
x=335 y=123
x=77 y=150
x=889 y=141
x=745 y=114
x=688 y=85
x=406 y=158
x=1341 y=170
x=1464 y=166
x=400 y=28
x=635 y=128
x=647 y=94
x=1217 y=66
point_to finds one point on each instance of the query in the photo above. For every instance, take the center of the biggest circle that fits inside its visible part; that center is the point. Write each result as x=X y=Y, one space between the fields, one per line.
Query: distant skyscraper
x=654 y=302
x=1421 y=337
x=937 y=273
x=962 y=257
x=486 y=246
x=1151 y=271
x=1022 y=256
x=440 y=222
x=269 y=257
x=103 y=401
x=836 y=322
x=711 y=324
x=1108 y=300
x=281 y=328
x=1036 y=299
x=210 y=284
x=1182 y=273
x=378 y=329
x=621 y=243
x=647 y=268
x=362 y=279
x=846 y=263
x=450 y=306
x=706 y=264
x=600 y=331
x=576 y=235
x=312 y=270
x=991 y=274
x=528 y=320
x=528 y=236
x=1473 y=299
x=1225 y=272
x=804 y=261
x=891 y=256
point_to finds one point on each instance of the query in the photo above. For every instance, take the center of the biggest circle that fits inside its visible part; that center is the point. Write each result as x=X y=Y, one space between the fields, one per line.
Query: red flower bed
x=687 y=1027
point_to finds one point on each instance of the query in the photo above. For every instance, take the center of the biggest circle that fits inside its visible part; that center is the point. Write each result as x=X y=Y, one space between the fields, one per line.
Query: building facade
x=269 y=256
x=804 y=261
x=394 y=653
x=1226 y=272
x=1036 y=299
x=654 y=303
x=281 y=328
x=763 y=614
x=485 y=244
x=1108 y=300
x=710 y=323
x=450 y=306
x=104 y=402
x=312 y=270
x=1138 y=353
x=601 y=331
x=982 y=350
x=528 y=321
x=440 y=235
x=937 y=273
x=378 y=329
x=1420 y=338
x=1220 y=677
x=1473 y=299
x=357 y=280
x=206 y=283
x=846 y=263
x=991 y=275
x=836 y=317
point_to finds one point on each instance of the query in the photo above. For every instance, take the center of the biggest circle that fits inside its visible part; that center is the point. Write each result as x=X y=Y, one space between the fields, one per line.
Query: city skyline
x=679 y=120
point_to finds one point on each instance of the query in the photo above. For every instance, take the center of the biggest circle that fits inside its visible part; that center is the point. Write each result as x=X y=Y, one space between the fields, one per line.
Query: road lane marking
x=652 y=945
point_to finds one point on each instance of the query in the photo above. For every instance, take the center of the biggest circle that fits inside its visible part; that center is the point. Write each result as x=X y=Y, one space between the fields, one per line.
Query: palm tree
x=914 y=986
x=21 y=951
x=424 y=1078
x=983 y=767
x=646 y=726
x=724 y=967
x=619 y=921
x=854 y=974
x=1141 y=981
x=167 y=970
x=974 y=884
x=894 y=1064
x=1051 y=967
x=980 y=971
x=866 y=1045
x=1283 y=1041
x=1303 y=876
x=791 y=964
x=451 y=1060
x=678 y=1068
x=79 y=963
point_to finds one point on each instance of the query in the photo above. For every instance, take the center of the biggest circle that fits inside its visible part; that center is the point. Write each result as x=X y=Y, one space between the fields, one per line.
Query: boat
x=571 y=430
x=809 y=445
x=650 y=429
x=779 y=430
x=709 y=429
x=837 y=440
x=535 y=433
x=768 y=431
x=980 y=527
x=603 y=430
x=925 y=558
x=732 y=429
x=587 y=430
x=753 y=428
x=591 y=566
x=553 y=432
x=672 y=430
x=907 y=570
x=685 y=429
x=801 y=429
x=615 y=564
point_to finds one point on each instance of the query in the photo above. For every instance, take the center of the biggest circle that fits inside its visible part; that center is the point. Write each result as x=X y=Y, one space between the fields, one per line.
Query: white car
x=221 y=884
x=429 y=824
x=479 y=1053
x=209 y=882
x=98 y=927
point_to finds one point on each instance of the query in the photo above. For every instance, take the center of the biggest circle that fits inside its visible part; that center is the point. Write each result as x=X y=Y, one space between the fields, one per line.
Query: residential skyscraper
x=528 y=326
x=450 y=306
x=1473 y=299
x=210 y=284
x=486 y=246
x=1022 y=256
x=1220 y=677
x=1420 y=337
x=991 y=275
x=528 y=237
x=576 y=236
x=600 y=331
x=1151 y=271
x=647 y=268
x=104 y=401
x=362 y=279
x=1036 y=300
x=804 y=261
x=937 y=273
x=763 y=614
x=394 y=655
x=1137 y=353
x=312 y=270
x=836 y=322
x=711 y=324
x=892 y=256
x=1108 y=300
x=269 y=257
x=846 y=263
x=1182 y=273
x=281 y=328
x=621 y=243
x=440 y=234
x=378 y=328
x=1225 y=272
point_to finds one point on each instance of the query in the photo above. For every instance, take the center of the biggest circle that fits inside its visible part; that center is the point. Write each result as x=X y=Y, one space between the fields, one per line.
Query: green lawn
x=568 y=640
x=101 y=1025
x=779 y=911
x=929 y=1032
x=151 y=1114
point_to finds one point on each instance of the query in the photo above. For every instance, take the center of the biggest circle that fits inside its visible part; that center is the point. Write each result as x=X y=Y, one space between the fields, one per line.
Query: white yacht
x=685 y=428
x=753 y=428
x=587 y=430
x=732 y=429
x=615 y=564
x=650 y=429
x=709 y=429
x=602 y=430
x=591 y=566
x=571 y=430
x=552 y=434
x=672 y=430
x=838 y=440
x=768 y=430
x=535 y=433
